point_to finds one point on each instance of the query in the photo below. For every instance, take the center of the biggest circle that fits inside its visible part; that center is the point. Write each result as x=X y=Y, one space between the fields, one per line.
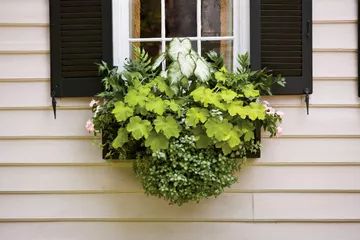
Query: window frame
x=121 y=30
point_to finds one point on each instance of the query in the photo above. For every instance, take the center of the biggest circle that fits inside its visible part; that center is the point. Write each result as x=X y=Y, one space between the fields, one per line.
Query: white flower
x=280 y=113
x=93 y=103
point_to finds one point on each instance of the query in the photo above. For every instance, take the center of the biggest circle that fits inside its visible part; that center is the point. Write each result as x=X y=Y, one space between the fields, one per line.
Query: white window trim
x=122 y=39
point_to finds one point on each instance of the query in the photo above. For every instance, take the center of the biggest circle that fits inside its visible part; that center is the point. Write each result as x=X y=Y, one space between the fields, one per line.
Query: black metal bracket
x=307 y=100
x=53 y=102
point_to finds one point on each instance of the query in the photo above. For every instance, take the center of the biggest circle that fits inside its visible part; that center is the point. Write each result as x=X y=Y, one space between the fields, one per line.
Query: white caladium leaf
x=164 y=74
x=158 y=61
x=202 y=70
x=174 y=73
x=179 y=46
x=187 y=64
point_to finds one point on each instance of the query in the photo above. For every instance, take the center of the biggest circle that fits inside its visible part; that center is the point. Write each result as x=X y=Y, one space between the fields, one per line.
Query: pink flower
x=90 y=126
x=93 y=103
x=279 y=131
x=266 y=103
x=280 y=113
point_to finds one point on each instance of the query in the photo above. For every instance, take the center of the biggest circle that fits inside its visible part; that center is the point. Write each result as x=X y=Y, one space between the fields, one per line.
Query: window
x=83 y=33
x=209 y=24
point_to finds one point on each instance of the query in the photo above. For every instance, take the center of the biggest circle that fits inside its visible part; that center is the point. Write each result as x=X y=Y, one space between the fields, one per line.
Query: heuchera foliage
x=190 y=125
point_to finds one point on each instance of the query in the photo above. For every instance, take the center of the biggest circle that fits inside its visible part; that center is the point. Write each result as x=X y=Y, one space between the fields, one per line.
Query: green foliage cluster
x=189 y=125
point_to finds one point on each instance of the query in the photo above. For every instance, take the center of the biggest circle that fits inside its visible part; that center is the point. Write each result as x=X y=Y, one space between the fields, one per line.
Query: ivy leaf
x=174 y=73
x=178 y=46
x=121 y=139
x=168 y=126
x=139 y=128
x=218 y=129
x=228 y=95
x=122 y=112
x=156 y=141
x=158 y=61
x=202 y=70
x=156 y=105
x=134 y=97
x=202 y=140
x=196 y=115
x=187 y=64
x=256 y=111
x=250 y=92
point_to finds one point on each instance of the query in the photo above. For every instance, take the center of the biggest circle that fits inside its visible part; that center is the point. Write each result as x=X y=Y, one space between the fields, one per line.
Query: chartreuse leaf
x=250 y=92
x=218 y=129
x=156 y=105
x=139 y=128
x=122 y=112
x=220 y=76
x=187 y=64
x=224 y=147
x=233 y=138
x=196 y=115
x=237 y=108
x=173 y=105
x=121 y=139
x=177 y=46
x=256 y=111
x=206 y=96
x=137 y=96
x=202 y=70
x=156 y=141
x=202 y=140
x=163 y=87
x=228 y=95
x=168 y=126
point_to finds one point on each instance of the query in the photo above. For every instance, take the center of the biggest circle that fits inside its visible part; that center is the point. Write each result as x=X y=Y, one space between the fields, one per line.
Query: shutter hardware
x=53 y=102
x=307 y=100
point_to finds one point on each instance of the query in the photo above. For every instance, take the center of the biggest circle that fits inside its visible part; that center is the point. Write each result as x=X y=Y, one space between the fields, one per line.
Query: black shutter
x=281 y=41
x=80 y=37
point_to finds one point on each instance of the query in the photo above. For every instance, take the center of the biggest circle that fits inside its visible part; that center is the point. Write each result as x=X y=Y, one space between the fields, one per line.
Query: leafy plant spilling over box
x=189 y=126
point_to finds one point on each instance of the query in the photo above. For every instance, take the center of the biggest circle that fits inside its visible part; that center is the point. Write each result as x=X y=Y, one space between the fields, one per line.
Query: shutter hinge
x=53 y=102
x=307 y=100
x=308 y=26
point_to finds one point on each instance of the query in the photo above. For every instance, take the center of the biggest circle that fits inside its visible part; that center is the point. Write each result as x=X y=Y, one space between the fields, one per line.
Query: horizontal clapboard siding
x=71 y=122
x=305 y=185
x=122 y=179
x=187 y=231
x=228 y=207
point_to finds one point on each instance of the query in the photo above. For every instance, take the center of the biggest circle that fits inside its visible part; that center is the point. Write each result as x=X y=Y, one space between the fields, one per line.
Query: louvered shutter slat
x=281 y=41
x=81 y=37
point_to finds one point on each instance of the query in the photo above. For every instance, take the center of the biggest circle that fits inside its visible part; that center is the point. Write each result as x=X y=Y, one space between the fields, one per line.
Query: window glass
x=208 y=24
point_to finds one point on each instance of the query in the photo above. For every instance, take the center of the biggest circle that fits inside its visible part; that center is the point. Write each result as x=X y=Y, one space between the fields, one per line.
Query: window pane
x=146 y=18
x=193 y=45
x=224 y=48
x=153 y=48
x=216 y=17
x=180 y=18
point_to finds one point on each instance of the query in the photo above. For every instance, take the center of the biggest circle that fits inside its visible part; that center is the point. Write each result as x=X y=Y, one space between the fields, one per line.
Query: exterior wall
x=54 y=184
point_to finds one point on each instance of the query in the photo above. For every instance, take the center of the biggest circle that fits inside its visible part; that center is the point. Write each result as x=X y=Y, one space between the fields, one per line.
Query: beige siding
x=54 y=184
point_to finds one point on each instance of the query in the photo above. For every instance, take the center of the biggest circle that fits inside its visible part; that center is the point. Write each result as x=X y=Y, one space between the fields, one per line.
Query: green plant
x=190 y=125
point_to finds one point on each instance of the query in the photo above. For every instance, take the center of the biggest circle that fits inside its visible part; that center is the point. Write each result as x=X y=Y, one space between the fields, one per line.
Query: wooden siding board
x=183 y=231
